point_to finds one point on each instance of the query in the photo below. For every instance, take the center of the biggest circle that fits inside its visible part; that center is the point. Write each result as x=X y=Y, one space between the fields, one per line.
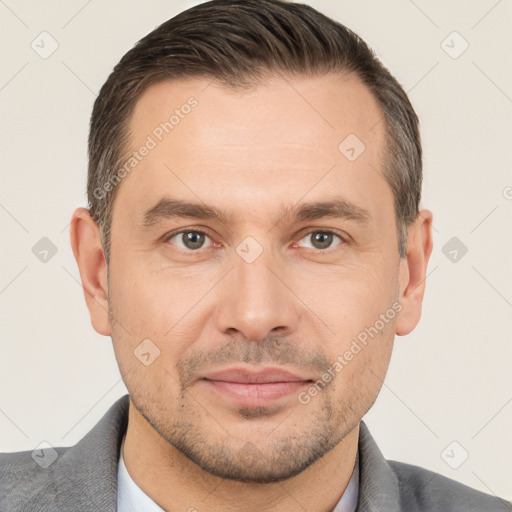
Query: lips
x=247 y=376
x=255 y=388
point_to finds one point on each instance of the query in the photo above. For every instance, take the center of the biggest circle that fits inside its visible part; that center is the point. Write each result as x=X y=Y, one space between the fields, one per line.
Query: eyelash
x=343 y=238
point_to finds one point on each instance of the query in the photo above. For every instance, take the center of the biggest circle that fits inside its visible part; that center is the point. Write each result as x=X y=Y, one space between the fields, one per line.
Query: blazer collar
x=84 y=477
x=378 y=484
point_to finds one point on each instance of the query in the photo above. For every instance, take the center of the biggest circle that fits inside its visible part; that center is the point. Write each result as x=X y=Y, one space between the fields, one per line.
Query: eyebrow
x=339 y=208
x=168 y=208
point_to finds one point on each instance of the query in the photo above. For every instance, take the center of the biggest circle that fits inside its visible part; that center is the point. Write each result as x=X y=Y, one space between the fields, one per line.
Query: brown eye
x=191 y=240
x=320 y=239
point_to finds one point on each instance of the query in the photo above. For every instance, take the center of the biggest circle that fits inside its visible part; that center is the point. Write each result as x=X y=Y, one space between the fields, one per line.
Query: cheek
x=352 y=298
x=162 y=306
x=361 y=366
x=145 y=345
x=153 y=301
x=359 y=305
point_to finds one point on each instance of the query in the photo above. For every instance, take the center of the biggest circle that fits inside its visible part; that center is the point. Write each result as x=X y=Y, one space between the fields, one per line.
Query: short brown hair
x=237 y=42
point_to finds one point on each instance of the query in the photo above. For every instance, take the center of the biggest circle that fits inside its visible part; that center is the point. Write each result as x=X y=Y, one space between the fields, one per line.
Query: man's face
x=250 y=309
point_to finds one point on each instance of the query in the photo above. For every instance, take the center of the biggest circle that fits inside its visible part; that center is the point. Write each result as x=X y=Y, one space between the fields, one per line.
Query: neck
x=174 y=482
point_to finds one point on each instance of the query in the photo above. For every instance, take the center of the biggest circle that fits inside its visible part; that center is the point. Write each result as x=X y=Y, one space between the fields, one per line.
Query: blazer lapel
x=84 y=477
x=378 y=485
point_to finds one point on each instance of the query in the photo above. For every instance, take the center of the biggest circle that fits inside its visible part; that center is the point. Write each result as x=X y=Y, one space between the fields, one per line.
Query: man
x=253 y=243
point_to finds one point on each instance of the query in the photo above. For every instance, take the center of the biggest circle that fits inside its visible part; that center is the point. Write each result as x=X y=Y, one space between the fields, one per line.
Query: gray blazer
x=84 y=478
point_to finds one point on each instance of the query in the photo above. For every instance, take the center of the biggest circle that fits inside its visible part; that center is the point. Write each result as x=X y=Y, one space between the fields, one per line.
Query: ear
x=89 y=255
x=413 y=269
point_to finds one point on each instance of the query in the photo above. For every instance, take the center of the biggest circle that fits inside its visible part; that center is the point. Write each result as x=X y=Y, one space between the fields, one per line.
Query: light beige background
x=450 y=380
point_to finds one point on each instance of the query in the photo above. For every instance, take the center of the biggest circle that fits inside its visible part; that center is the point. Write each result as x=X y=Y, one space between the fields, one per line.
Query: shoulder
x=80 y=477
x=421 y=489
x=26 y=475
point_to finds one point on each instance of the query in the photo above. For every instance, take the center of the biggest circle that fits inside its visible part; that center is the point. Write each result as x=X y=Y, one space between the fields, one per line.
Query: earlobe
x=413 y=271
x=86 y=244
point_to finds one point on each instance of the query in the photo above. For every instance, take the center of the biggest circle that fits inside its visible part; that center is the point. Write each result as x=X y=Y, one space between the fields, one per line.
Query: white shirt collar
x=348 y=501
x=131 y=498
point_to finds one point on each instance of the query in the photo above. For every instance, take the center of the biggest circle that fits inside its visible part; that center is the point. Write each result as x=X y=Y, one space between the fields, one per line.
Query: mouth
x=250 y=388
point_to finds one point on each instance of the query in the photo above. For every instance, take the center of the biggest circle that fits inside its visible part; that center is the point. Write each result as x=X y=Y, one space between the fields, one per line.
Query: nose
x=257 y=301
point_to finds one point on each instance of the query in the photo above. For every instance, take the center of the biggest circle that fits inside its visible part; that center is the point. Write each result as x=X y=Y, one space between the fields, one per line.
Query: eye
x=320 y=240
x=191 y=240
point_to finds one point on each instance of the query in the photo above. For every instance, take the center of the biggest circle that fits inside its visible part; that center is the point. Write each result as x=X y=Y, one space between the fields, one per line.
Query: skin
x=254 y=155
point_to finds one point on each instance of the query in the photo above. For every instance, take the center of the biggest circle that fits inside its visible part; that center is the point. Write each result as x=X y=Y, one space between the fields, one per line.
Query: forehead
x=295 y=109
x=282 y=139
